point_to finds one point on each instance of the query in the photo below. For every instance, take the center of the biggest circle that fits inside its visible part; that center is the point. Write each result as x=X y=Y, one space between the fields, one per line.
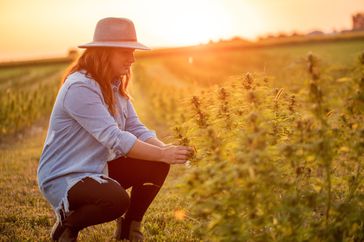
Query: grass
x=26 y=216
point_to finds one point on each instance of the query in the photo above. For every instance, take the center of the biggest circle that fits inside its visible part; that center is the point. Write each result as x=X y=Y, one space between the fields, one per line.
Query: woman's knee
x=121 y=202
x=165 y=169
x=117 y=199
x=161 y=172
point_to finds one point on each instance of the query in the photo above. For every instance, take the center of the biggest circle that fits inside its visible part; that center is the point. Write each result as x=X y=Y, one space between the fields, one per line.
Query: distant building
x=358 y=22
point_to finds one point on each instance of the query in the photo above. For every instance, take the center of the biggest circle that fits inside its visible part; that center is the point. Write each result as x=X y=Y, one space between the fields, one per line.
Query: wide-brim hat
x=115 y=32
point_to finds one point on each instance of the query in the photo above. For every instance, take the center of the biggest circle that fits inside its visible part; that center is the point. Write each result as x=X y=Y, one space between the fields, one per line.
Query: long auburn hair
x=96 y=63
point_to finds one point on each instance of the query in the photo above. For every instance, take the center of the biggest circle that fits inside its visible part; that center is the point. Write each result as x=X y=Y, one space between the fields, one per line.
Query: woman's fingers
x=182 y=157
x=179 y=161
x=182 y=154
x=185 y=150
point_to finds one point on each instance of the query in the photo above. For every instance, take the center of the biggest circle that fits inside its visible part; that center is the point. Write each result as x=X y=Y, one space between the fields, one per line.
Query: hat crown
x=115 y=32
x=115 y=29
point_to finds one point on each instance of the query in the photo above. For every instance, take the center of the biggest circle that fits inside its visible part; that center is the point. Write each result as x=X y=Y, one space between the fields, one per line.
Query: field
x=278 y=131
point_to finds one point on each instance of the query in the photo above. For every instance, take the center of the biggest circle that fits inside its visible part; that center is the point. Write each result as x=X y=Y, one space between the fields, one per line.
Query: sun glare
x=160 y=23
x=197 y=22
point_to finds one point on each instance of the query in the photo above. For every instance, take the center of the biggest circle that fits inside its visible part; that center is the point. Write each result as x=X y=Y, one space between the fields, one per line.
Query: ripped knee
x=151 y=184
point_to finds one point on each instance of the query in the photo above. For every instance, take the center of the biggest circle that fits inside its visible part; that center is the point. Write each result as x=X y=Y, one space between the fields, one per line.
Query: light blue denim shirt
x=82 y=136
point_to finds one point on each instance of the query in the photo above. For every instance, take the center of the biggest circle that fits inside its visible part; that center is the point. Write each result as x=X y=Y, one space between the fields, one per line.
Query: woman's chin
x=123 y=73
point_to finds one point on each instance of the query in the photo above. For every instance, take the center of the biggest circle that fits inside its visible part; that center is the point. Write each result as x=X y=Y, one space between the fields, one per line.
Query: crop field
x=278 y=134
x=27 y=94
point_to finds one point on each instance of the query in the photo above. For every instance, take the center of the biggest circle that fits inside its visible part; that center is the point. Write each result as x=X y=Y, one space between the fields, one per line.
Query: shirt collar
x=116 y=84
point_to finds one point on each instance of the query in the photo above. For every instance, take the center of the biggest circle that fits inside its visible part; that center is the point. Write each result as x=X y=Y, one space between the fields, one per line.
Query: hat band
x=115 y=40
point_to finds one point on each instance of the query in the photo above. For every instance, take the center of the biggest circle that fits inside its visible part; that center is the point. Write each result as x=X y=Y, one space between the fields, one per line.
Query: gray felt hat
x=115 y=32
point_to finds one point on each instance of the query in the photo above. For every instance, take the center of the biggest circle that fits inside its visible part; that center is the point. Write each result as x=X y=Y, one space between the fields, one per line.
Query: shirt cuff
x=125 y=145
x=147 y=135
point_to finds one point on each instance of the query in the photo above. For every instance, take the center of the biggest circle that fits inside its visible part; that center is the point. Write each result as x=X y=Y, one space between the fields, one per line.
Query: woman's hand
x=173 y=154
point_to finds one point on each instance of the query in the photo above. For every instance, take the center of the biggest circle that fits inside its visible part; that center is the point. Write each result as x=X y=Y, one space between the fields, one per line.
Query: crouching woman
x=96 y=147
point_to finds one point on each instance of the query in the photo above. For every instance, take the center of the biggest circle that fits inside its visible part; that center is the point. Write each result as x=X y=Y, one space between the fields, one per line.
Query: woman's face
x=121 y=60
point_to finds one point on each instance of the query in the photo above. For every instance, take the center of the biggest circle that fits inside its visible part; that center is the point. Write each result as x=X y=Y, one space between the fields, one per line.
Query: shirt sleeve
x=85 y=105
x=134 y=126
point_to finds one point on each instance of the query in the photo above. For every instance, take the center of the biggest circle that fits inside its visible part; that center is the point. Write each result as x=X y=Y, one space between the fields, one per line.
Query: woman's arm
x=84 y=104
x=170 y=154
x=145 y=151
x=155 y=141
x=134 y=126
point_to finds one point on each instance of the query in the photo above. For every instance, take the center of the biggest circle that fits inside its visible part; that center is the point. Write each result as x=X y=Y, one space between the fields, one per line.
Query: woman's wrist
x=156 y=142
x=146 y=151
x=161 y=152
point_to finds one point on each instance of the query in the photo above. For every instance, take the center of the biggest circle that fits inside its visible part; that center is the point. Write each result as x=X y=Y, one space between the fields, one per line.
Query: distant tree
x=282 y=35
x=315 y=32
x=72 y=53
x=295 y=34
x=358 y=21
x=236 y=38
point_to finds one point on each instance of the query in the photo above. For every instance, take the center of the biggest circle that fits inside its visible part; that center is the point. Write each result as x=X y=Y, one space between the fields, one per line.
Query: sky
x=47 y=28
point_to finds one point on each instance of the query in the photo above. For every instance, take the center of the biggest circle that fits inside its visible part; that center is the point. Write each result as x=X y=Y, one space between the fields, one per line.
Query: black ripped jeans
x=91 y=202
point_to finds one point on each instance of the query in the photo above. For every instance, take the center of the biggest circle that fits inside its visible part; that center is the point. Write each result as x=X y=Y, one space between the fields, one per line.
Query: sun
x=196 y=22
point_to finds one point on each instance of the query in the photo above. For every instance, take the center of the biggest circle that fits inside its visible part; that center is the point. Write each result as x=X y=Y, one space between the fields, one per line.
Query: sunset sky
x=36 y=28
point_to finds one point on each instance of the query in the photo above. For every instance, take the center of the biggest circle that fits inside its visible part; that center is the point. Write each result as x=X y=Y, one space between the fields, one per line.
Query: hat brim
x=124 y=44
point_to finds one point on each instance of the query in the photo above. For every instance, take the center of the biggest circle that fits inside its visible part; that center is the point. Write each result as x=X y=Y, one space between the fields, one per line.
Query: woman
x=96 y=147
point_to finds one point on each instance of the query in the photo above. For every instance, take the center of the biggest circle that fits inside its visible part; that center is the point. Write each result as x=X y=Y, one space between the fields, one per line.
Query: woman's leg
x=145 y=177
x=93 y=203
